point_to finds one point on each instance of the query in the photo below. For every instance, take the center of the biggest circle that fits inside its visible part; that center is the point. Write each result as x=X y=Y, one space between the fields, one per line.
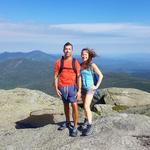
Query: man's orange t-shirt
x=67 y=77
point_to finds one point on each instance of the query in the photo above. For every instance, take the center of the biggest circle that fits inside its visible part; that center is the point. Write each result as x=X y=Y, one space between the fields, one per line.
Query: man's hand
x=78 y=95
x=58 y=93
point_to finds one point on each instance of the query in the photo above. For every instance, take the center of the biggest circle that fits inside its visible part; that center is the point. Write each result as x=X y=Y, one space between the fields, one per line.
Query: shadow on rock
x=35 y=121
x=144 y=140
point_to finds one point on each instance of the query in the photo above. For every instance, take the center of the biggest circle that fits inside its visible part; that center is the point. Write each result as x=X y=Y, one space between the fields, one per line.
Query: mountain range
x=34 y=70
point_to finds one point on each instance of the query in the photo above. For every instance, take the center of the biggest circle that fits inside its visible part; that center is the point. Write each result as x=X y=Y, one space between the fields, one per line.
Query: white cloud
x=102 y=35
x=120 y=29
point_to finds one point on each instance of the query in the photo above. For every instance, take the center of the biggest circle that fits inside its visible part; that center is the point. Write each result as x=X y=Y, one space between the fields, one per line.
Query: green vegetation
x=119 y=108
x=34 y=70
x=27 y=73
x=98 y=113
x=80 y=106
x=38 y=75
x=125 y=80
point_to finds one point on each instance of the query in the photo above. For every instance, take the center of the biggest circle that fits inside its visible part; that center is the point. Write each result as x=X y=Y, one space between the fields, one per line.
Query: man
x=68 y=85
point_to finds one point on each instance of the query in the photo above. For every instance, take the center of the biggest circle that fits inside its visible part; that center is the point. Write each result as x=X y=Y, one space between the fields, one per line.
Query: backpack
x=62 y=66
x=95 y=76
x=95 y=80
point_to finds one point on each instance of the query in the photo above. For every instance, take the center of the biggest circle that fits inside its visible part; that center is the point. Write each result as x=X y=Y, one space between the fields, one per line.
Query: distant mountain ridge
x=27 y=73
x=127 y=63
x=34 y=70
x=33 y=55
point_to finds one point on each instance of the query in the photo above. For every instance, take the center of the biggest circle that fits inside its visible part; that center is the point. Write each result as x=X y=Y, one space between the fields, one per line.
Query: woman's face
x=85 y=55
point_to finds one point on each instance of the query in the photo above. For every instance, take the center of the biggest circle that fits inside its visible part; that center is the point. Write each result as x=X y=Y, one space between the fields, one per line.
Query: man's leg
x=72 y=98
x=75 y=113
x=67 y=112
x=64 y=94
x=67 y=115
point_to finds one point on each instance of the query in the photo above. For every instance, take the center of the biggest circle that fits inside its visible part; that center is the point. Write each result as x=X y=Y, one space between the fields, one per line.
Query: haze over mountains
x=34 y=70
x=33 y=55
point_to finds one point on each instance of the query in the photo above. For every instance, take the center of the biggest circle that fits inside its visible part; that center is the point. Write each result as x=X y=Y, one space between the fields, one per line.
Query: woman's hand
x=94 y=88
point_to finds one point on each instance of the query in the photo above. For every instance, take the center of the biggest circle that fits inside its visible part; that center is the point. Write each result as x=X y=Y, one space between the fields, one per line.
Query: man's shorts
x=69 y=94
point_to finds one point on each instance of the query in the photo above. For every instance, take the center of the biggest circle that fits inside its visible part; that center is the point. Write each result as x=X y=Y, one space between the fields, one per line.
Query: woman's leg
x=83 y=99
x=87 y=103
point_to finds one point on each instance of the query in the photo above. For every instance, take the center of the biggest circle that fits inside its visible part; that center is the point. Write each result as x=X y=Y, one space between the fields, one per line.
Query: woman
x=88 y=87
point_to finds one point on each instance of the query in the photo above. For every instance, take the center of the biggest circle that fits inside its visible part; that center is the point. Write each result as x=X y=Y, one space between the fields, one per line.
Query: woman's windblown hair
x=91 y=53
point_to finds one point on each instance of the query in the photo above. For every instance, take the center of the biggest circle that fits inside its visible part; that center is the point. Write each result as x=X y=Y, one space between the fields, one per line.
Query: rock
x=36 y=112
x=111 y=132
x=17 y=104
x=103 y=109
x=144 y=110
x=116 y=132
x=122 y=96
x=39 y=118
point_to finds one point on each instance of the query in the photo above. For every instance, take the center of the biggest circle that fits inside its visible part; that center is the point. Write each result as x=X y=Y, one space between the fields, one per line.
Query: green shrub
x=119 y=108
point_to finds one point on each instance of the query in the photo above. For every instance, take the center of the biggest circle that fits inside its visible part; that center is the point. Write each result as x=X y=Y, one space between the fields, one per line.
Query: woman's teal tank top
x=87 y=78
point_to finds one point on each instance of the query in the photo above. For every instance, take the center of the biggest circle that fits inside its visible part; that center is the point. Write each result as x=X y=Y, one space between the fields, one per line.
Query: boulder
x=30 y=120
x=144 y=110
x=122 y=96
x=111 y=132
x=18 y=104
x=103 y=109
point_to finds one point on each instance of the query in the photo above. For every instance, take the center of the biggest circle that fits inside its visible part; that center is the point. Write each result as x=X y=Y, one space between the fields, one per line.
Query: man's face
x=68 y=51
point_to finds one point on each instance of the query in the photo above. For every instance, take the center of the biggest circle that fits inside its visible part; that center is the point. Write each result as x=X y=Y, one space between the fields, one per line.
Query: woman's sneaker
x=85 y=123
x=64 y=126
x=74 y=132
x=88 y=130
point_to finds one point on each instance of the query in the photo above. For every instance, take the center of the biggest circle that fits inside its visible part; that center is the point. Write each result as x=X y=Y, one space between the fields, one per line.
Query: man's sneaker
x=74 y=132
x=64 y=126
x=88 y=130
x=85 y=123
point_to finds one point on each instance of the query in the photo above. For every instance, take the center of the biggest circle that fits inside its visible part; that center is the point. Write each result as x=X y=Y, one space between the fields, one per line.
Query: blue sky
x=108 y=26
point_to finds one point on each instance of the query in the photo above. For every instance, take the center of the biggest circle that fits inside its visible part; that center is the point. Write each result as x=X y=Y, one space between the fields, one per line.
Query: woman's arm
x=97 y=70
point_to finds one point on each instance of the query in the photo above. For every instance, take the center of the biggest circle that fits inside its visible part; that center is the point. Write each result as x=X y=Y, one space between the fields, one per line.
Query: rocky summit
x=30 y=121
x=123 y=96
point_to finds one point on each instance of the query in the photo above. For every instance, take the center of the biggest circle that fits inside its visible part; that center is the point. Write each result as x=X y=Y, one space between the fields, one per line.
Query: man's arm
x=79 y=88
x=56 y=85
x=79 y=83
x=56 y=77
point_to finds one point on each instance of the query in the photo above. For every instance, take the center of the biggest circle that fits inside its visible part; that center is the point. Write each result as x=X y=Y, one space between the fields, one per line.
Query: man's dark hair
x=67 y=44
